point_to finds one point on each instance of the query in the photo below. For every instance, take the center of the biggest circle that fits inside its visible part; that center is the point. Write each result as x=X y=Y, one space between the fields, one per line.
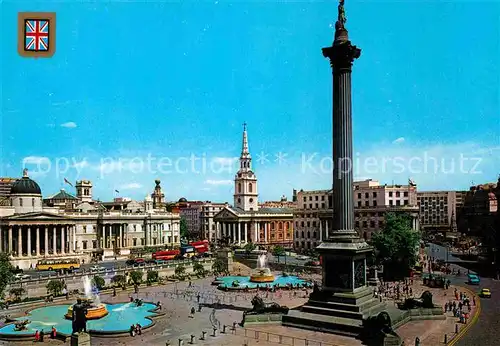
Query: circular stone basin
x=118 y=320
x=245 y=282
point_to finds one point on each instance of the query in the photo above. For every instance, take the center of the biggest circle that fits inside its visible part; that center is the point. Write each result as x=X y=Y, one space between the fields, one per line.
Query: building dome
x=25 y=186
x=182 y=200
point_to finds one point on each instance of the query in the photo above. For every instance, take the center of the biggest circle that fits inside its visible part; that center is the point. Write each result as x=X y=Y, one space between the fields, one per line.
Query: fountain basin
x=116 y=322
x=227 y=283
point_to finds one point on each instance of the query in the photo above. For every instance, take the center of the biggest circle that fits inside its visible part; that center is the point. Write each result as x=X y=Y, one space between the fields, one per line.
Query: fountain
x=95 y=309
x=262 y=274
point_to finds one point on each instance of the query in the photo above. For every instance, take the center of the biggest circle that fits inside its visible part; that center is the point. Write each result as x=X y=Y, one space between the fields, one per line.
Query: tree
x=278 y=251
x=198 y=269
x=180 y=270
x=17 y=293
x=6 y=274
x=151 y=276
x=136 y=277
x=183 y=227
x=119 y=280
x=98 y=282
x=396 y=245
x=218 y=266
x=249 y=247
x=55 y=287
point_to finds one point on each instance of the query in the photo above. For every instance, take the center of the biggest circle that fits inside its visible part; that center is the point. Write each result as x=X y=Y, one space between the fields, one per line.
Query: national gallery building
x=68 y=226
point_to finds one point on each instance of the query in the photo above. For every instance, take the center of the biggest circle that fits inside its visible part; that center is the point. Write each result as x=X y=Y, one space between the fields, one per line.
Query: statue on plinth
x=79 y=317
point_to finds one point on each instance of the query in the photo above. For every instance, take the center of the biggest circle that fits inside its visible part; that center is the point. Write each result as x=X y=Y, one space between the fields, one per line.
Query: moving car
x=22 y=276
x=97 y=268
x=473 y=279
x=485 y=293
x=302 y=257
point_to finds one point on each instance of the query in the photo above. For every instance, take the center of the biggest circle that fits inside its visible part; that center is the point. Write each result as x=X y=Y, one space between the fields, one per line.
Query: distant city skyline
x=166 y=97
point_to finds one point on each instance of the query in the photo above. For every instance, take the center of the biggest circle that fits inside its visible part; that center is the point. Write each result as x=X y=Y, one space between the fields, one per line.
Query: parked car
x=485 y=293
x=302 y=257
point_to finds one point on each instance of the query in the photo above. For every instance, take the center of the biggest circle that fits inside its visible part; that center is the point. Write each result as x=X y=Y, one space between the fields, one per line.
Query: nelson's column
x=344 y=300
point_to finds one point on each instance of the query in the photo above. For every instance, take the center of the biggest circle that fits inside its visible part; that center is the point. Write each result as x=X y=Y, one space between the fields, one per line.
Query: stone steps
x=323 y=323
x=343 y=306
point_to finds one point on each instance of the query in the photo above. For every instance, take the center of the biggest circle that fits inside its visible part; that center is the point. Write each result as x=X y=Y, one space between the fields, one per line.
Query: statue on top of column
x=340 y=24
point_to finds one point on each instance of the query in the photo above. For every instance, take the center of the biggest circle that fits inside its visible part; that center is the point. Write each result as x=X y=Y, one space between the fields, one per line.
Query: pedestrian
x=42 y=334
x=37 y=336
x=474 y=300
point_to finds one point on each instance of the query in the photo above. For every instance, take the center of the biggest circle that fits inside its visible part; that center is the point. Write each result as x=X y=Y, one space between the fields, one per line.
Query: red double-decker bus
x=165 y=255
x=200 y=246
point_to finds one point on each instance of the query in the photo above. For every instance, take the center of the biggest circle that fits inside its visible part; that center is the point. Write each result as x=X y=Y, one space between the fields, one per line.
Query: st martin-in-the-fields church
x=245 y=221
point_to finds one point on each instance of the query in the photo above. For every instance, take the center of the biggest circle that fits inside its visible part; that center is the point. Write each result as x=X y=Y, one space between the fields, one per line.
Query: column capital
x=342 y=55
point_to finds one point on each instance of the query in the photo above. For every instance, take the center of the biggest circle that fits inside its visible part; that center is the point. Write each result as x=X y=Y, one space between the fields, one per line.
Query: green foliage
x=6 y=274
x=198 y=269
x=278 y=251
x=98 y=282
x=55 y=287
x=218 y=266
x=136 y=277
x=17 y=293
x=152 y=276
x=180 y=270
x=249 y=247
x=119 y=280
x=396 y=246
x=183 y=228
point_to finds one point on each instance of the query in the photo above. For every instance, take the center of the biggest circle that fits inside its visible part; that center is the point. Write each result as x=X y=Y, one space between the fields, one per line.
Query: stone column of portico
x=320 y=230
x=37 y=240
x=29 y=241
x=110 y=236
x=54 y=241
x=63 y=239
x=239 y=233
x=327 y=230
x=72 y=247
x=121 y=235
x=245 y=231
x=19 y=241
x=9 y=246
x=46 y=239
x=265 y=232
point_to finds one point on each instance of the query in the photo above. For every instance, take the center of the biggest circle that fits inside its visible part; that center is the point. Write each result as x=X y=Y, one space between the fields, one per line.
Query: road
x=484 y=331
x=111 y=264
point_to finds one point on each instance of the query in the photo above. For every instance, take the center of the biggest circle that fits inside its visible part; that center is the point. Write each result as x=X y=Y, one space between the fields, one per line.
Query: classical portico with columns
x=30 y=231
x=245 y=221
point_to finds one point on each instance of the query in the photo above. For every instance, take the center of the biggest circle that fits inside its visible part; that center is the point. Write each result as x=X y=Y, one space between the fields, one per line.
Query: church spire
x=244 y=148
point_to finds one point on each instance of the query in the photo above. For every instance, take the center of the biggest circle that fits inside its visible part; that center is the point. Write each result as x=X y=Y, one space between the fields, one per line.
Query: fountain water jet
x=95 y=309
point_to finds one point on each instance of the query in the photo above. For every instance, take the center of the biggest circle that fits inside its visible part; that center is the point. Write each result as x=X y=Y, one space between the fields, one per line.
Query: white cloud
x=218 y=182
x=398 y=140
x=131 y=186
x=69 y=125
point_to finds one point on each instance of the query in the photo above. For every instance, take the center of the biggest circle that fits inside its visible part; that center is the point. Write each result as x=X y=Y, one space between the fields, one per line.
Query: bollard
x=167 y=343
x=223 y=329
x=456 y=328
x=215 y=330
x=192 y=339
x=417 y=341
x=203 y=333
x=445 y=338
x=180 y=342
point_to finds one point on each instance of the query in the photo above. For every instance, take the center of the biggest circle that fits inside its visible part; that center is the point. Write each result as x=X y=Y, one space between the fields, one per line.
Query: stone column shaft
x=20 y=241
x=9 y=247
x=63 y=239
x=46 y=244
x=265 y=232
x=54 y=240
x=38 y=241
x=320 y=230
x=28 y=233
x=121 y=235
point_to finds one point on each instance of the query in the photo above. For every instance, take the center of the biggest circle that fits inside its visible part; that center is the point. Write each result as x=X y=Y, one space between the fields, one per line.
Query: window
x=397 y=194
x=398 y=202
x=367 y=195
x=391 y=202
x=239 y=188
x=316 y=198
x=374 y=195
x=32 y=202
x=405 y=194
x=374 y=203
x=239 y=200
x=84 y=244
x=359 y=194
x=20 y=202
x=322 y=205
x=251 y=200
x=308 y=234
x=367 y=203
x=305 y=199
x=405 y=202
x=359 y=203
x=250 y=188
x=390 y=194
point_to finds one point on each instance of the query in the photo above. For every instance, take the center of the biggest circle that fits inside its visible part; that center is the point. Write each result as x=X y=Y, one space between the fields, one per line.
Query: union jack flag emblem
x=36 y=35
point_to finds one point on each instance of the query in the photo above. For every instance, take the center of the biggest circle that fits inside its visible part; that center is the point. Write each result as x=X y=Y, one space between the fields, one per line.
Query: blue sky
x=171 y=81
